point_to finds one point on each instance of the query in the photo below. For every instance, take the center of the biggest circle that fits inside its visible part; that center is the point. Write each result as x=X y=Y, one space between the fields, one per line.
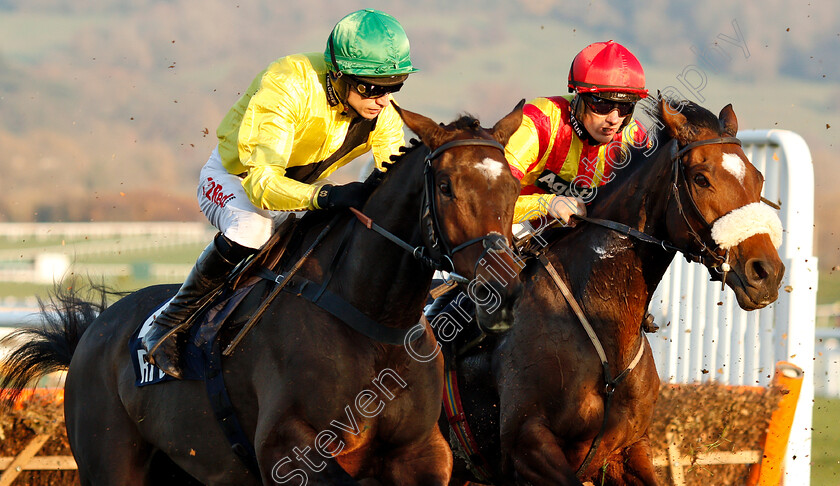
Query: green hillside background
x=108 y=108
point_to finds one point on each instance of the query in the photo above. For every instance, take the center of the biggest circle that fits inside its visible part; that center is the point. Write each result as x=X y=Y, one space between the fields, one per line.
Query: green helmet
x=370 y=44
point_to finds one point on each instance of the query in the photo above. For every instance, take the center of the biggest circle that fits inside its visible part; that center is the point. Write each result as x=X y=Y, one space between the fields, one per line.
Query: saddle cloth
x=197 y=349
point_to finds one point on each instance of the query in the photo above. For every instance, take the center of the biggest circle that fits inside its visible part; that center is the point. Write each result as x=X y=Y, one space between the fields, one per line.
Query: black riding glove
x=353 y=194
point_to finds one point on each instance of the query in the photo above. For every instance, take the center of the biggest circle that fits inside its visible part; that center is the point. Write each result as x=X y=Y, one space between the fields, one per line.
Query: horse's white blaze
x=490 y=168
x=735 y=166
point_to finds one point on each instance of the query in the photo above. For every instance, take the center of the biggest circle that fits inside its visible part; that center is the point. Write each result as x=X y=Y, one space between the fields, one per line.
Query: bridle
x=435 y=251
x=710 y=256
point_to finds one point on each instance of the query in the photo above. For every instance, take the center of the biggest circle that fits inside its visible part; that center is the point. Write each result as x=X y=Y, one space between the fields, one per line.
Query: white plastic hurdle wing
x=711 y=339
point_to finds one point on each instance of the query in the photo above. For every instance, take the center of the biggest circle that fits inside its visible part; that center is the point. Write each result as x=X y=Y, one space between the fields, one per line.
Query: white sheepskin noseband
x=752 y=219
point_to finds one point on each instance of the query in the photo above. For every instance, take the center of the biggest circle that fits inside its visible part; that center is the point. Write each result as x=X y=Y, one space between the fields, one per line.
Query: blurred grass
x=24 y=243
x=118 y=284
x=829 y=287
x=182 y=254
x=185 y=255
x=825 y=444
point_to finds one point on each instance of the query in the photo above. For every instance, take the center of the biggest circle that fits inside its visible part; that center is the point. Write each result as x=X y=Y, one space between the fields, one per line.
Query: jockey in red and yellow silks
x=548 y=157
x=567 y=146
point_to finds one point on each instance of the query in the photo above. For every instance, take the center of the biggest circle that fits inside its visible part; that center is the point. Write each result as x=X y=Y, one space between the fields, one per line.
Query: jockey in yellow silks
x=273 y=146
x=302 y=118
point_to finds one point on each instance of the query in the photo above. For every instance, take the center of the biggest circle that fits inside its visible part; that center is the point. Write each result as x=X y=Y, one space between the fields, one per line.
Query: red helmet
x=609 y=70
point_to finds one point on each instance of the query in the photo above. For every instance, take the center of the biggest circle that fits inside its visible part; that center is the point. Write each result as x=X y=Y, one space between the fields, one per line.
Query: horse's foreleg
x=427 y=462
x=286 y=456
x=537 y=457
x=632 y=466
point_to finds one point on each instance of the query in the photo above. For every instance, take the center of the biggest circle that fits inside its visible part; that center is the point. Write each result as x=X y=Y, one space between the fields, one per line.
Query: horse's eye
x=701 y=180
x=445 y=188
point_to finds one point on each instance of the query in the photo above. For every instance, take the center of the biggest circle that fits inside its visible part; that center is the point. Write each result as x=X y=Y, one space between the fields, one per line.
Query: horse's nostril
x=758 y=270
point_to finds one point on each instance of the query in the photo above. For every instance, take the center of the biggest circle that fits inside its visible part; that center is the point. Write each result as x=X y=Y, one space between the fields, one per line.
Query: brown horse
x=536 y=398
x=320 y=402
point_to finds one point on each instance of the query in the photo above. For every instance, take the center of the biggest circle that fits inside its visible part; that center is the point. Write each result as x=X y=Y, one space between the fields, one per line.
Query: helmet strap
x=332 y=94
x=336 y=69
x=335 y=94
x=575 y=115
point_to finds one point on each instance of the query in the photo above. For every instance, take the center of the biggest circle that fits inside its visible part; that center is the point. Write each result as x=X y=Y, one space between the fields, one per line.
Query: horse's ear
x=728 y=120
x=429 y=132
x=675 y=122
x=504 y=128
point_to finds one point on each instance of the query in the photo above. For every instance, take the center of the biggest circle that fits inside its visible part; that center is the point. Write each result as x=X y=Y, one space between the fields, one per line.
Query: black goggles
x=369 y=90
x=601 y=106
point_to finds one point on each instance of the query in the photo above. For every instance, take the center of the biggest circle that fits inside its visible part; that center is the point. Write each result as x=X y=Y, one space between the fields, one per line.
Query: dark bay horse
x=321 y=403
x=536 y=398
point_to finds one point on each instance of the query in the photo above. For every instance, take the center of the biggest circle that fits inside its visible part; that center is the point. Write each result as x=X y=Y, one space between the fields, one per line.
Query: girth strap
x=264 y=306
x=342 y=309
x=225 y=413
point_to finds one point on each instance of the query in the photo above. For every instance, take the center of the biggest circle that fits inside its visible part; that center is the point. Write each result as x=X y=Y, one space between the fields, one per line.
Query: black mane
x=465 y=122
x=649 y=114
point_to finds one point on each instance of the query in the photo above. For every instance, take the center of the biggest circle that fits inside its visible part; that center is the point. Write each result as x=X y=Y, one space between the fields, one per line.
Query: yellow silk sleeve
x=266 y=138
x=523 y=150
x=531 y=206
x=268 y=188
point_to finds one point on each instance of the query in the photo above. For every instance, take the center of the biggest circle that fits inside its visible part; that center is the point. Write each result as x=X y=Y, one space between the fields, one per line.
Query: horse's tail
x=47 y=348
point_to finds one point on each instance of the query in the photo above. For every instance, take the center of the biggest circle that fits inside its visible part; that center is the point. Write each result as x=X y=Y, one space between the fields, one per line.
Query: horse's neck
x=640 y=197
x=641 y=201
x=382 y=279
x=618 y=276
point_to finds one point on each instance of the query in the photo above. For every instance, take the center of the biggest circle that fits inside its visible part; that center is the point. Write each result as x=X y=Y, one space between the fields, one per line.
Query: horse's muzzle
x=757 y=284
x=494 y=305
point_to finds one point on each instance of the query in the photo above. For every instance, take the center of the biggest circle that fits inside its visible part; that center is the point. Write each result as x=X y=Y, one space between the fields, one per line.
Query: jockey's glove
x=564 y=207
x=353 y=194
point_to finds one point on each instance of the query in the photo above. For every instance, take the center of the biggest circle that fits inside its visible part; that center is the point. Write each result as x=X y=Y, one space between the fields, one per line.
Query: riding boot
x=211 y=270
x=459 y=329
x=435 y=308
